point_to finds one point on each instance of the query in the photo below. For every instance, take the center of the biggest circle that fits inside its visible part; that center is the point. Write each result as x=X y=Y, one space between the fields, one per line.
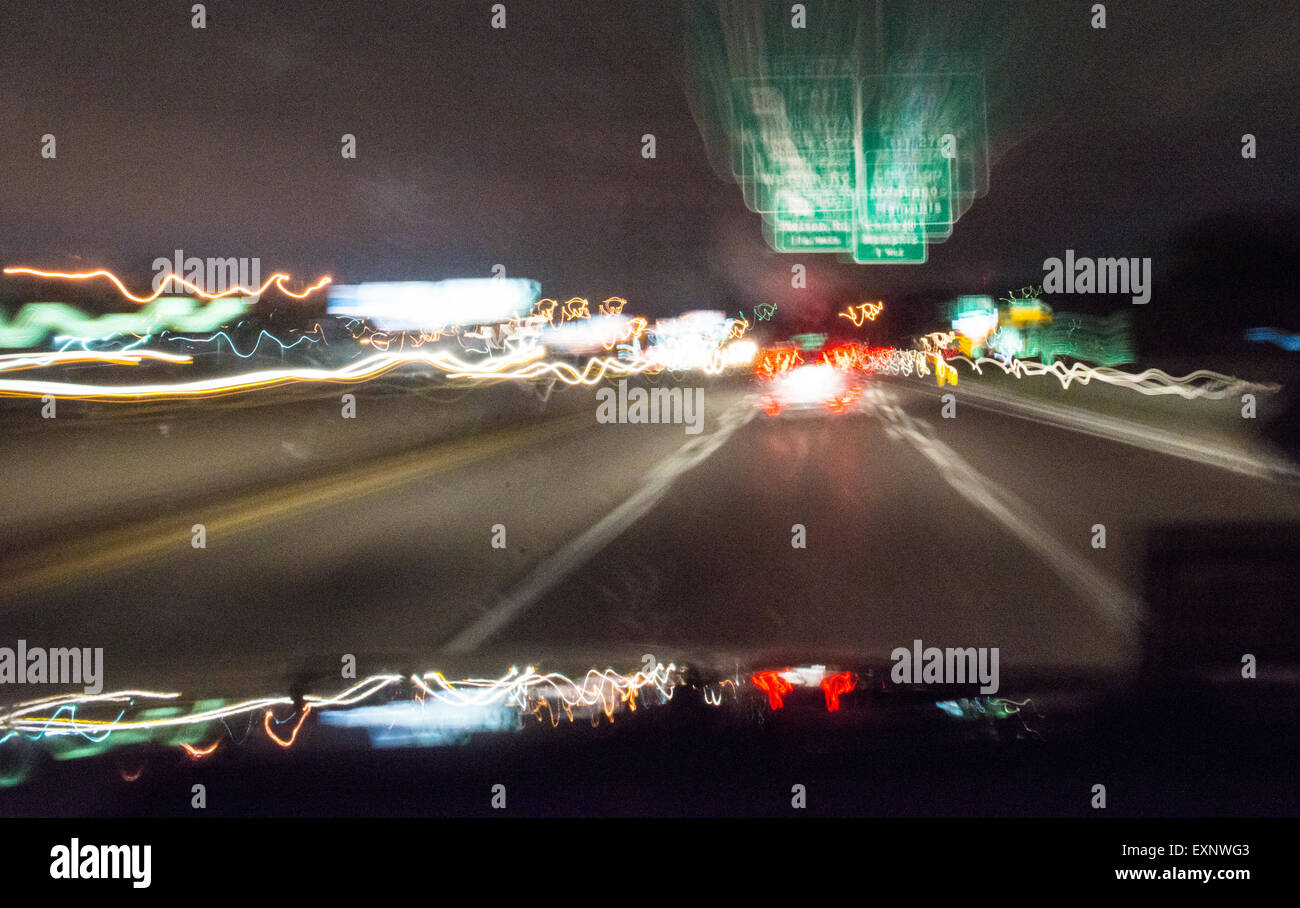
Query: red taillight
x=771 y=683
x=836 y=686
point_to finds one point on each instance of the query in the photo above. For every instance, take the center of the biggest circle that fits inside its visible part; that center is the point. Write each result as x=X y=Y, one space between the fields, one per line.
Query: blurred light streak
x=530 y=691
x=1274 y=336
x=526 y=365
x=1024 y=294
x=835 y=686
x=13 y=362
x=19 y=718
x=697 y=340
x=1200 y=384
x=981 y=707
x=575 y=309
x=462 y=705
x=293 y=736
x=199 y=753
x=276 y=279
x=862 y=313
x=975 y=317
x=777 y=361
x=545 y=309
x=810 y=384
x=943 y=373
x=714 y=698
x=435 y=305
x=691 y=341
x=772 y=683
x=415 y=722
x=36 y=321
x=600 y=332
x=739 y=353
x=219 y=336
x=937 y=341
x=846 y=357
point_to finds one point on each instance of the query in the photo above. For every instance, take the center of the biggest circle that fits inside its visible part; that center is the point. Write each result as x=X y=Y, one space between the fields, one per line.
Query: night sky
x=522 y=146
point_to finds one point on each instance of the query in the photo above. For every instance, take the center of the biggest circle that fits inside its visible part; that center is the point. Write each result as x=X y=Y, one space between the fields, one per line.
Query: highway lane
x=97 y=463
x=374 y=571
x=893 y=553
x=623 y=540
x=993 y=547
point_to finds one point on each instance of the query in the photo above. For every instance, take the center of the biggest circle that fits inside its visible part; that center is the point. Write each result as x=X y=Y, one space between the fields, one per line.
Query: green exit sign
x=883 y=247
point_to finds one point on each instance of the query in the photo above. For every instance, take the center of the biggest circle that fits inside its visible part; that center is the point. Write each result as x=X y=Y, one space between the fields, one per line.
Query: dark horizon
x=225 y=142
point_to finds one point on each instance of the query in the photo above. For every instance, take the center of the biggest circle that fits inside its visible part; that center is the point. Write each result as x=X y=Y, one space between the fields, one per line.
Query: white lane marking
x=1110 y=599
x=1127 y=432
x=586 y=546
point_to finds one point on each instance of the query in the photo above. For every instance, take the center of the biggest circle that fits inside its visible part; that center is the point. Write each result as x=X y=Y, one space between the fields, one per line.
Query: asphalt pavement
x=555 y=540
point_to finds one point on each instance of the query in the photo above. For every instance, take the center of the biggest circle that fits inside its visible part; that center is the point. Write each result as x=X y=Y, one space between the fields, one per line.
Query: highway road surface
x=550 y=539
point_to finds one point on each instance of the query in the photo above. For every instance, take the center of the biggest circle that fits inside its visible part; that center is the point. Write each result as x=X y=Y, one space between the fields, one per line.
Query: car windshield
x=407 y=375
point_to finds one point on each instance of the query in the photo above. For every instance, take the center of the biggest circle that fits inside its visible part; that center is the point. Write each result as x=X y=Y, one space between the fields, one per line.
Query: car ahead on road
x=827 y=378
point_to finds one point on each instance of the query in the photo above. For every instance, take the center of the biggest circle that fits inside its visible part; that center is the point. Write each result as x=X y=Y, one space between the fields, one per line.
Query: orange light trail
x=777 y=361
x=266 y=723
x=846 y=357
x=17 y=362
x=277 y=279
x=575 y=309
x=600 y=691
x=198 y=753
x=862 y=313
x=524 y=366
x=541 y=309
x=598 y=695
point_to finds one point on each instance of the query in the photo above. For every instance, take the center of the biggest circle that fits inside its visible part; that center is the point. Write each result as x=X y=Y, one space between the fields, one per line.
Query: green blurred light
x=37 y=321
